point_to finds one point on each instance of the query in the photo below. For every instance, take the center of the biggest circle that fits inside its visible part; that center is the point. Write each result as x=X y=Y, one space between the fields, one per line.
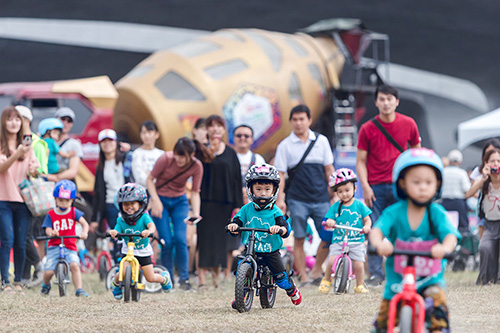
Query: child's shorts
x=357 y=251
x=436 y=311
x=53 y=257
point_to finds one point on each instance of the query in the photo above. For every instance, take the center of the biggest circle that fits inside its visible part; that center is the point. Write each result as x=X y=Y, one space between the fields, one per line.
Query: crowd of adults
x=202 y=180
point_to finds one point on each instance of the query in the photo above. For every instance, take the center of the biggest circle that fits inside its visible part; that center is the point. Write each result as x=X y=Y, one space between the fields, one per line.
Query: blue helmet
x=414 y=157
x=65 y=189
x=49 y=124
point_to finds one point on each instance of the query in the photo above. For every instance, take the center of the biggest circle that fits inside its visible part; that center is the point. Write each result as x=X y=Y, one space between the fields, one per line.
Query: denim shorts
x=357 y=251
x=53 y=257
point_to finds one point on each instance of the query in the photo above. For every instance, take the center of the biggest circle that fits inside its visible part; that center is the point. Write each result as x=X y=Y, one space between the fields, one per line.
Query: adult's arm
x=195 y=203
x=280 y=202
x=418 y=145
x=361 y=158
x=21 y=150
x=69 y=173
x=329 y=169
x=156 y=205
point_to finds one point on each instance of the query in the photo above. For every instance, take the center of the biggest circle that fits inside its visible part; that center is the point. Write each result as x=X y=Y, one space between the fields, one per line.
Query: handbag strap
x=177 y=175
x=387 y=135
x=297 y=167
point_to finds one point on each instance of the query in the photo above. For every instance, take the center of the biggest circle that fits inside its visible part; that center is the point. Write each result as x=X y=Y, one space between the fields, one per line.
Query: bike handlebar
x=449 y=256
x=339 y=226
x=161 y=241
x=55 y=237
x=240 y=229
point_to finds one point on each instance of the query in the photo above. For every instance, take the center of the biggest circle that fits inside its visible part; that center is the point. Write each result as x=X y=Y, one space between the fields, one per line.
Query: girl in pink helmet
x=348 y=211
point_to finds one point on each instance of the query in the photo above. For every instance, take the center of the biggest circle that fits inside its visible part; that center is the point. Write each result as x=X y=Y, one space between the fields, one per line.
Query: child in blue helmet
x=50 y=130
x=132 y=200
x=61 y=221
x=415 y=222
x=262 y=182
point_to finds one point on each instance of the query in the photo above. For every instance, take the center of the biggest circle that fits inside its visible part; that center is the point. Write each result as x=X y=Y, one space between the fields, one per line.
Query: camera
x=495 y=170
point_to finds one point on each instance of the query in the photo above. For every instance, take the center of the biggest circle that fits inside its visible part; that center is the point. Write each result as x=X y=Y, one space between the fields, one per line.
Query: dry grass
x=472 y=309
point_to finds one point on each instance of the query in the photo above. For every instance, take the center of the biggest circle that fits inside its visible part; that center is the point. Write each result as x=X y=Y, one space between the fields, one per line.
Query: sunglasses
x=68 y=119
x=246 y=136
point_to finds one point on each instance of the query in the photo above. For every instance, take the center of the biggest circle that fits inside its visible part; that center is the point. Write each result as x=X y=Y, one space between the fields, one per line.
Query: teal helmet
x=413 y=157
x=49 y=124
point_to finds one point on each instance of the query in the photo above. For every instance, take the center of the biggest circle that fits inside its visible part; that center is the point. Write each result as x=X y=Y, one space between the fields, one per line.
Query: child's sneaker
x=45 y=289
x=81 y=292
x=324 y=286
x=296 y=297
x=117 y=291
x=360 y=289
x=167 y=285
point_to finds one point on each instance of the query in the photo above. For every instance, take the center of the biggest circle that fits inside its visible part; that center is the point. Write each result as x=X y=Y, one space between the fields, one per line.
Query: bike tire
x=103 y=267
x=90 y=264
x=267 y=292
x=110 y=276
x=406 y=319
x=127 y=284
x=341 y=276
x=243 y=291
x=153 y=287
x=136 y=292
x=61 y=273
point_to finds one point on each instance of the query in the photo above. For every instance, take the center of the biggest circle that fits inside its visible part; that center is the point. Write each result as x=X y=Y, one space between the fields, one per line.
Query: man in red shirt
x=376 y=156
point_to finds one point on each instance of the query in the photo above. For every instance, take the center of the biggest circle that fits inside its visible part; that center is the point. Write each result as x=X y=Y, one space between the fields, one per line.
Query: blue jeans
x=385 y=198
x=14 y=223
x=111 y=216
x=175 y=210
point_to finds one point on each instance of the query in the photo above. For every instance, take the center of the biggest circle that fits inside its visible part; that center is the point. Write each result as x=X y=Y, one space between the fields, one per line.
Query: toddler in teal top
x=416 y=223
x=50 y=130
x=350 y=212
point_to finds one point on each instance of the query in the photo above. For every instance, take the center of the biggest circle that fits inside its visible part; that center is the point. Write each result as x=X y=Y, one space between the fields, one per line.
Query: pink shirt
x=165 y=168
x=17 y=172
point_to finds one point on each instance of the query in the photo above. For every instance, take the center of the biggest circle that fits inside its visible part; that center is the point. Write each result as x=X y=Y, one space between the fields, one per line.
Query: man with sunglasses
x=243 y=140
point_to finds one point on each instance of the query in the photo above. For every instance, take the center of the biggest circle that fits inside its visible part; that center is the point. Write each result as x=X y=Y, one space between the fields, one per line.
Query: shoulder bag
x=292 y=171
x=387 y=135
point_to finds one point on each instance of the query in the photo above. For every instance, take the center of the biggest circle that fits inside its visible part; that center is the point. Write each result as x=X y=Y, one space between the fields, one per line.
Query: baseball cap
x=455 y=156
x=24 y=111
x=65 y=112
x=106 y=134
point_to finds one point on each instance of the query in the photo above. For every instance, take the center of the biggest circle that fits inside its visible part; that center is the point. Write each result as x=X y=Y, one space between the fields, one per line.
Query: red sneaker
x=296 y=298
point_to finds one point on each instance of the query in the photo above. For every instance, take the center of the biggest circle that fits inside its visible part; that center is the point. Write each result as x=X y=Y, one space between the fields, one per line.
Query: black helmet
x=262 y=172
x=128 y=193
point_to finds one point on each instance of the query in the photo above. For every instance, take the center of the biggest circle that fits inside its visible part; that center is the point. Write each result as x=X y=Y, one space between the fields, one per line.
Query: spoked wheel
x=110 y=276
x=136 y=292
x=104 y=266
x=127 y=284
x=243 y=291
x=267 y=292
x=88 y=264
x=61 y=272
x=153 y=287
x=341 y=276
x=406 y=319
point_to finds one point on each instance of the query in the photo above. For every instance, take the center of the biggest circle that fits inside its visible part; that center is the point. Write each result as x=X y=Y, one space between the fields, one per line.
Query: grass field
x=472 y=308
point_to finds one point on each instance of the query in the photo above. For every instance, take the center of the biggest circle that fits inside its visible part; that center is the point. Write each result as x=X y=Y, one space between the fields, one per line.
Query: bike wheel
x=341 y=276
x=136 y=292
x=89 y=264
x=61 y=272
x=153 y=287
x=267 y=292
x=243 y=291
x=406 y=319
x=127 y=284
x=110 y=276
x=103 y=267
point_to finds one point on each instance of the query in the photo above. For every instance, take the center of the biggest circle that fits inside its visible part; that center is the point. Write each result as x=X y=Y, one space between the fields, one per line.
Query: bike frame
x=104 y=251
x=345 y=250
x=134 y=263
x=62 y=253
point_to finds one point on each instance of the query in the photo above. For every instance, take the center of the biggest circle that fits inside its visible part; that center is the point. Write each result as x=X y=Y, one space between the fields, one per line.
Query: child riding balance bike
x=262 y=183
x=351 y=213
x=133 y=200
x=415 y=223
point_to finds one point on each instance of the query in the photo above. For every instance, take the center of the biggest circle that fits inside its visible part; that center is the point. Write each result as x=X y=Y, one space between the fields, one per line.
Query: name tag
x=423 y=266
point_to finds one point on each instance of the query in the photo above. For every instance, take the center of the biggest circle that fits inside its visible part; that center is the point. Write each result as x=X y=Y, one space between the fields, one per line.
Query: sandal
x=19 y=288
x=202 y=287
x=324 y=286
x=8 y=290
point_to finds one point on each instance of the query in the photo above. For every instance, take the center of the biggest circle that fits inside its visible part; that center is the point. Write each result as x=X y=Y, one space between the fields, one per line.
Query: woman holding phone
x=16 y=161
x=169 y=204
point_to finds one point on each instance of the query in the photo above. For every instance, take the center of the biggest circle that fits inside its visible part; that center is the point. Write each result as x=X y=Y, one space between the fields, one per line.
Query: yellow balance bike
x=130 y=276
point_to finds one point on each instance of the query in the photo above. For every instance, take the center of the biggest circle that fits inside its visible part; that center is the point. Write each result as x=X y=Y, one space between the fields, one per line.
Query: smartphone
x=27 y=139
x=193 y=220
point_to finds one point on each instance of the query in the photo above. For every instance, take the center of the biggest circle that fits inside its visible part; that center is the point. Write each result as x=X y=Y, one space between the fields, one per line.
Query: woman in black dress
x=220 y=198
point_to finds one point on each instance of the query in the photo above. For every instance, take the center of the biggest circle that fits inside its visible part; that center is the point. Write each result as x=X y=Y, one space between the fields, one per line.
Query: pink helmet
x=341 y=177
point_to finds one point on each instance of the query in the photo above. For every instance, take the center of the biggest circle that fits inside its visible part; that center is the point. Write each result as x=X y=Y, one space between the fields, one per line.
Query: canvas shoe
x=167 y=285
x=45 y=289
x=81 y=292
x=117 y=291
x=296 y=297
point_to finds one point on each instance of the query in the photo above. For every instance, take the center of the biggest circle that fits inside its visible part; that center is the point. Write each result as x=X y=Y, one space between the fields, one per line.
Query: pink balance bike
x=412 y=313
x=342 y=272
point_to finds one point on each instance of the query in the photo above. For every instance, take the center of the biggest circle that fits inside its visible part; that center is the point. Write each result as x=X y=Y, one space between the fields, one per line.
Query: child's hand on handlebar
x=83 y=235
x=232 y=227
x=330 y=223
x=145 y=233
x=276 y=229
x=438 y=251
x=366 y=229
x=113 y=233
x=385 y=249
x=52 y=233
